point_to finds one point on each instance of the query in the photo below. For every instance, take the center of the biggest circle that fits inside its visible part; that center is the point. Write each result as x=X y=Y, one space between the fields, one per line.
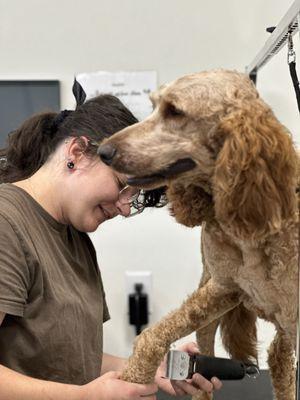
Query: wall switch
x=143 y=277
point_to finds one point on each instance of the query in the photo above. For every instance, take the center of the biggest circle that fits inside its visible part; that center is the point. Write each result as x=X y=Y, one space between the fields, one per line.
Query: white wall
x=58 y=38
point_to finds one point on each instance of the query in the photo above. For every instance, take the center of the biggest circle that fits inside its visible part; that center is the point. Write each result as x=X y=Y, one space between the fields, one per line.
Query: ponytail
x=28 y=147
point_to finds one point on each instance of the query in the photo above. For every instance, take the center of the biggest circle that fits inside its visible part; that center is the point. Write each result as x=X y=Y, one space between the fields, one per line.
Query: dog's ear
x=255 y=175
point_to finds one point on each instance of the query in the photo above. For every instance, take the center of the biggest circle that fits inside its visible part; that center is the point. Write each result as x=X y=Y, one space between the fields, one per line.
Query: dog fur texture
x=243 y=192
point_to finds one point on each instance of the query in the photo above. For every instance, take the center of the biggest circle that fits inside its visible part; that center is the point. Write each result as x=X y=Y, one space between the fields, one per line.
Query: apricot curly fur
x=244 y=192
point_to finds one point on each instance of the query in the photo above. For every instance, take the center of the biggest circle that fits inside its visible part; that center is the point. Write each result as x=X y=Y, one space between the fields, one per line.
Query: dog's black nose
x=107 y=153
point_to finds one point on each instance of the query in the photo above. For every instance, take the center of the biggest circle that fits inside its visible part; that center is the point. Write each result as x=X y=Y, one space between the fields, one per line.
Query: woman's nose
x=107 y=153
x=124 y=209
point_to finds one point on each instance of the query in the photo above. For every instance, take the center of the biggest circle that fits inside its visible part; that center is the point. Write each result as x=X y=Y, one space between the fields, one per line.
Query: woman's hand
x=188 y=386
x=110 y=387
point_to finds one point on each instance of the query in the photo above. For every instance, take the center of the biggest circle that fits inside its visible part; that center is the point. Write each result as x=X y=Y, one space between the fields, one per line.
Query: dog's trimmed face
x=178 y=139
x=215 y=144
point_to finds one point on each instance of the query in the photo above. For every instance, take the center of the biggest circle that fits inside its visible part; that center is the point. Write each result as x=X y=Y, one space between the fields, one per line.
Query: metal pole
x=298 y=326
x=277 y=40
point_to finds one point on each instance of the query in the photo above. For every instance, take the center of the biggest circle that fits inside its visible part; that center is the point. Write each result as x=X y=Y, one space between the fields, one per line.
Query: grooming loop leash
x=298 y=332
x=291 y=59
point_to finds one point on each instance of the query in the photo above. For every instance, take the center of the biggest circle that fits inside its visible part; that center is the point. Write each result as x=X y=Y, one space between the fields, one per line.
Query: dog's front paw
x=203 y=396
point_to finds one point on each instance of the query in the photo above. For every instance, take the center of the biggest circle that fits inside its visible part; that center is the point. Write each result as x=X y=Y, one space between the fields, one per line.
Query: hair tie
x=58 y=120
x=80 y=97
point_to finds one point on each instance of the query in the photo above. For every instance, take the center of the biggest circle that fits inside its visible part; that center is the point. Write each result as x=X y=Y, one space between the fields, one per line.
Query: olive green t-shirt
x=51 y=291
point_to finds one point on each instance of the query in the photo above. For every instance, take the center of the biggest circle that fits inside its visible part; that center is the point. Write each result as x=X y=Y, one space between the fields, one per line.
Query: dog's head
x=214 y=141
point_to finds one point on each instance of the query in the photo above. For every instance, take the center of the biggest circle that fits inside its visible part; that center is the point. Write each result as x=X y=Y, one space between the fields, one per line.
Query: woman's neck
x=41 y=187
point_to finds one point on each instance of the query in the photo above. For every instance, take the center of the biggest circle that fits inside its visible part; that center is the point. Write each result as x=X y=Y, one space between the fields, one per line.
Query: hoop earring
x=70 y=164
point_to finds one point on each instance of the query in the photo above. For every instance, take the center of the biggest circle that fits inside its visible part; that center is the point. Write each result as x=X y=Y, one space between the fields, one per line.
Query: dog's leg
x=206 y=343
x=203 y=307
x=206 y=338
x=282 y=367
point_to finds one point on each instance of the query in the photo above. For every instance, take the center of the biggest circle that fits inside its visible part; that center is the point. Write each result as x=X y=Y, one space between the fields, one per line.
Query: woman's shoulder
x=15 y=206
x=12 y=199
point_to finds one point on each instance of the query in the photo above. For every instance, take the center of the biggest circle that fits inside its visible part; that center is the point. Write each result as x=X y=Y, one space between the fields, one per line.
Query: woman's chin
x=92 y=224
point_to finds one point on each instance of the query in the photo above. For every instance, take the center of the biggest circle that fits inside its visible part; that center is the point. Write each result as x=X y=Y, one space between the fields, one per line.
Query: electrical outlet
x=143 y=277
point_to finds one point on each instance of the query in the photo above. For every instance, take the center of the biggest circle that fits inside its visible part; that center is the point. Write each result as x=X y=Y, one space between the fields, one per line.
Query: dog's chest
x=259 y=291
x=229 y=267
x=220 y=256
x=271 y=294
x=274 y=298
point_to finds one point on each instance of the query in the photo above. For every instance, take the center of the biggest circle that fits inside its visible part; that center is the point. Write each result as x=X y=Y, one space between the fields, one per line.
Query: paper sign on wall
x=132 y=88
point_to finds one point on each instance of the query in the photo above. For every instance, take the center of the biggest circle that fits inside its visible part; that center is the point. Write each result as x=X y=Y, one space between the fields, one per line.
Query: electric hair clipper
x=181 y=365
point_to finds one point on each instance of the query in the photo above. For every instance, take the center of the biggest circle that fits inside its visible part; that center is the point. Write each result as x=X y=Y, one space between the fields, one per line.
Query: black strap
x=293 y=72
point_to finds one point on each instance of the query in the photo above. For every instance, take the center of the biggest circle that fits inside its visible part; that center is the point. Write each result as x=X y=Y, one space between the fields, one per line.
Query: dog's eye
x=172 y=111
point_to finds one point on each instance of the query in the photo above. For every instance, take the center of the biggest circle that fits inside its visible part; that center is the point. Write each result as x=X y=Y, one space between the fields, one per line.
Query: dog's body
x=231 y=167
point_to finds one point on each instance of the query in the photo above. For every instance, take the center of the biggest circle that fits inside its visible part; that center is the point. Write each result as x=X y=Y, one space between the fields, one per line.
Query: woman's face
x=92 y=194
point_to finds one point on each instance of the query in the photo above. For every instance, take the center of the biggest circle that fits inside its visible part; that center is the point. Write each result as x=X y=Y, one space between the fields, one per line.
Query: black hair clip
x=79 y=93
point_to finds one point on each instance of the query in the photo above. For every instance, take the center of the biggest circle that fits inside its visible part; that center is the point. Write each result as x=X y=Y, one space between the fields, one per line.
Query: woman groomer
x=52 y=303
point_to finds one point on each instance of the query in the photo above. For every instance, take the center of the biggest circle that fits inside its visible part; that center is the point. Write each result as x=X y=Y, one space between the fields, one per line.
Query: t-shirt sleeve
x=14 y=272
x=106 y=315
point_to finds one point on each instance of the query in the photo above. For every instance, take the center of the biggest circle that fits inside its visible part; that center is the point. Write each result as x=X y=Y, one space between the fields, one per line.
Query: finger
x=178 y=391
x=113 y=375
x=191 y=348
x=146 y=390
x=187 y=387
x=202 y=383
x=216 y=383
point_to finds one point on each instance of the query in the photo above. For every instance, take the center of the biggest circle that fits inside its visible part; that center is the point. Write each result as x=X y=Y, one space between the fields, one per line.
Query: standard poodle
x=230 y=166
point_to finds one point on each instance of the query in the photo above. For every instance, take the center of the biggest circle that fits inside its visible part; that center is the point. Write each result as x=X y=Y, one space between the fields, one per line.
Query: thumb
x=192 y=348
x=112 y=375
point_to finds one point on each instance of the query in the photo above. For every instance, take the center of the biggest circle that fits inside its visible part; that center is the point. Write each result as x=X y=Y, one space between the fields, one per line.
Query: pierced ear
x=83 y=142
x=77 y=147
x=255 y=175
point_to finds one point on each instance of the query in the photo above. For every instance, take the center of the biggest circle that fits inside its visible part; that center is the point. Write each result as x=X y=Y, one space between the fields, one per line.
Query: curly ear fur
x=255 y=175
x=189 y=205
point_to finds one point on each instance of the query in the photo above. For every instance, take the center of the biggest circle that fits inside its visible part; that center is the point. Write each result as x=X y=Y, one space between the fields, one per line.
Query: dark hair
x=29 y=146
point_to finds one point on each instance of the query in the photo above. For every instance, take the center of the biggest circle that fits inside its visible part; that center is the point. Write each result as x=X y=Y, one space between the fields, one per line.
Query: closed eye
x=170 y=111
